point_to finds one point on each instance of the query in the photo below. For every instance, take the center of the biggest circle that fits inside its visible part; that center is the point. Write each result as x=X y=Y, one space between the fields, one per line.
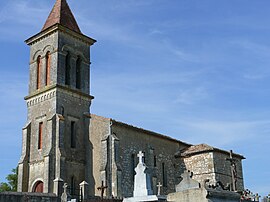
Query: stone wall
x=214 y=166
x=99 y=129
x=97 y=199
x=159 y=154
x=115 y=148
x=40 y=48
x=21 y=197
x=203 y=195
x=202 y=166
x=223 y=170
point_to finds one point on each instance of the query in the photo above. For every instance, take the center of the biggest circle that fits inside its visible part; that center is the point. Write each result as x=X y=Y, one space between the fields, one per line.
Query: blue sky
x=198 y=71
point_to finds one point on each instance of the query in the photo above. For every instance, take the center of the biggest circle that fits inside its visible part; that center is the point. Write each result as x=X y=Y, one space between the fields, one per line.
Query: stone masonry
x=63 y=141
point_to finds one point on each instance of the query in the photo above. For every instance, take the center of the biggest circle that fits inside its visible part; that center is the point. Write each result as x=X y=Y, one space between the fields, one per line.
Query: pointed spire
x=61 y=14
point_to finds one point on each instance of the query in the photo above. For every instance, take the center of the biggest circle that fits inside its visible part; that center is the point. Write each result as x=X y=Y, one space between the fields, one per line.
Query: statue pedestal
x=145 y=198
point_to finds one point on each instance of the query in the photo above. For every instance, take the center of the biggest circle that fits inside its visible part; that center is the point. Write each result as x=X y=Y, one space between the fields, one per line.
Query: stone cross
x=102 y=189
x=65 y=195
x=187 y=182
x=159 y=185
x=140 y=155
x=233 y=170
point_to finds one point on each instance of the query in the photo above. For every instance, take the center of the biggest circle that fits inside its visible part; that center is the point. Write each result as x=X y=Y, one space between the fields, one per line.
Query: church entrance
x=38 y=187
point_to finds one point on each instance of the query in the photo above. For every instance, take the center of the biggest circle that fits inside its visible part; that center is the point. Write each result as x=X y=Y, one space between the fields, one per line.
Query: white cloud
x=130 y=4
x=257 y=50
x=191 y=96
x=21 y=17
x=222 y=133
x=23 y=12
x=255 y=76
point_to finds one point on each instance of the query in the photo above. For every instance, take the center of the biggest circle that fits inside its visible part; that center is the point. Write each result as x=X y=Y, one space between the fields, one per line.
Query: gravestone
x=142 y=181
x=102 y=189
x=65 y=196
x=187 y=182
x=189 y=190
x=159 y=185
x=142 y=184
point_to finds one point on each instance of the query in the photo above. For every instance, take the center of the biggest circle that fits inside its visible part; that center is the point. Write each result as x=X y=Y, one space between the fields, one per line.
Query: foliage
x=12 y=181
x=4 y=187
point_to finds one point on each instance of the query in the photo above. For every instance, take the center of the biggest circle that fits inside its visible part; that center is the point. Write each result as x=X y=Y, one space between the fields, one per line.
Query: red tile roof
x=202 y=148
x=61 y=14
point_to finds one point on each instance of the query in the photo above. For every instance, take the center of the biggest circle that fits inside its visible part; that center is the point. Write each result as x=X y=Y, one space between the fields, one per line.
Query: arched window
x=78 y=73
x=38 y=72
x=67 y=76
x=48 y=68
x=38 y=187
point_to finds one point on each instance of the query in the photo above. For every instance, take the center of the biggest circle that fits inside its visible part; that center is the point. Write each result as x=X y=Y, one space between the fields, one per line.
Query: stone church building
x=63 y=140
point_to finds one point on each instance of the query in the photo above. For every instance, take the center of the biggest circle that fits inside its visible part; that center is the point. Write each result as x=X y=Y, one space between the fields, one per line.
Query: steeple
x=61 y=14
x=58 y=106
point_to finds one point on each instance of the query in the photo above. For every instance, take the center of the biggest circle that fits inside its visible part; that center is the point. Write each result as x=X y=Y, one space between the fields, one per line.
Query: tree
x=4 y=187
x=12 y=181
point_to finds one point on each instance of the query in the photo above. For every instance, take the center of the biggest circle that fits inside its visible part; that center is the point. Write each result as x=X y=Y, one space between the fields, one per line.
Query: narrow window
x=155 y=161
x=78 y=73
x=72 y=186
x=38 y=72
x=133 y=165
x=72 y=135
x=48 y=68
x=164 y=175
x=40 y=128
x=144 y=157
x=67 y=76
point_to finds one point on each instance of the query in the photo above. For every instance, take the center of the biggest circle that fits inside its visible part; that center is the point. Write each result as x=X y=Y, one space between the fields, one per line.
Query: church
x=63 y=141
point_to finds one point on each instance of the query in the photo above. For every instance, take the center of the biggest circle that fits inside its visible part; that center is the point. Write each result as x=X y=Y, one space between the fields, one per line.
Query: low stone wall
x=99 y=199
x=27 y=197
x=203 y=195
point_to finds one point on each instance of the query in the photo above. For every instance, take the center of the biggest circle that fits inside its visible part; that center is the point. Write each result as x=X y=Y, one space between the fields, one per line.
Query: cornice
x=51 y=92
x=57 y=27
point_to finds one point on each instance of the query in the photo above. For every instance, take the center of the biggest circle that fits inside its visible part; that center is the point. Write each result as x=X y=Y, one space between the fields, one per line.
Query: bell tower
x=58 y=104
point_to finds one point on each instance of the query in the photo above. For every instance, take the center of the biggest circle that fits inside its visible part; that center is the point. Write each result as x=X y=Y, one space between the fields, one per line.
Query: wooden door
x=39 y=187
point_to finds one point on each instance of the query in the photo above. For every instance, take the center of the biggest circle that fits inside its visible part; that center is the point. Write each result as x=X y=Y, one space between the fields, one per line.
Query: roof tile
x=61 y=14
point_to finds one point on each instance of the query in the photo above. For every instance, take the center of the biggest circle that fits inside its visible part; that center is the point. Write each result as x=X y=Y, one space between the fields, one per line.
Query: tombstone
x=65 y=196
x=159 y=185
x=187 y=182
x=189 y=190
x=142 y=184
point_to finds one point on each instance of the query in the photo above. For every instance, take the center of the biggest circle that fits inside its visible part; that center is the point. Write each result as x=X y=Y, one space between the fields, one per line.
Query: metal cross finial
x=140 y=155
x=102 y=189
x=159 y=185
